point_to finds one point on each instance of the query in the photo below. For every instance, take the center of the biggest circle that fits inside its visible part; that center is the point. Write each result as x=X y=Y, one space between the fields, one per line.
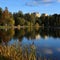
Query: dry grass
x=18 y=52
x=14 y=52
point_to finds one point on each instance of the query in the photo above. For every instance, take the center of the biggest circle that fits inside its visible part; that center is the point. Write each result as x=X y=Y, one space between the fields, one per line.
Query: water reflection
x=37 y=34
x=29 y=33
x=46 y=40
x=6 y=36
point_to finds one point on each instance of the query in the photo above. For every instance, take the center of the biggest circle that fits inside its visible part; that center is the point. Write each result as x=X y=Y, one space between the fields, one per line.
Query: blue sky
x=28 y=6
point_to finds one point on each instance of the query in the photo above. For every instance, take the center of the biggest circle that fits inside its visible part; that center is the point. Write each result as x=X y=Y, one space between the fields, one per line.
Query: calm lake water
x=46 y=40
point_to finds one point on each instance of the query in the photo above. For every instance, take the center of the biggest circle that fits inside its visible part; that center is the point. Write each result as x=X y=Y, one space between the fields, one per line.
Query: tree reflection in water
x=29 y=33
x=6 y=36
x=32 y=34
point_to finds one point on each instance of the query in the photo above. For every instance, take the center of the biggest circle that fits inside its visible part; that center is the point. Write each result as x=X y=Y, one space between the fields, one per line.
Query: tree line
x=18 y=18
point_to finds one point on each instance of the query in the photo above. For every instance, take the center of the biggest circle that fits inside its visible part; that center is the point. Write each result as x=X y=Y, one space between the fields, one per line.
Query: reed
x=14 y=52
x=18 y=52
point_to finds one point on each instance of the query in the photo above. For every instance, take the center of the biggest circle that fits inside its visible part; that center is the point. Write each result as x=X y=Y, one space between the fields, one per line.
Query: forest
x=20 y=19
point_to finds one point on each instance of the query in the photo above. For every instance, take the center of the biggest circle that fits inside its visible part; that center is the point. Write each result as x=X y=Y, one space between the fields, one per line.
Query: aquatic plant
x=14 y=52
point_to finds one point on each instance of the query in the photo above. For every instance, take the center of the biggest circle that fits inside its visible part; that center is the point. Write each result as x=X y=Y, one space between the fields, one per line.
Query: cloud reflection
x=48 y=51
x=58 y=49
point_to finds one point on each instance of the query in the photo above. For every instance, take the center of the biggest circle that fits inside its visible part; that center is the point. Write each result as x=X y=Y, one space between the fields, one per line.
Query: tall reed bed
x=18 y=52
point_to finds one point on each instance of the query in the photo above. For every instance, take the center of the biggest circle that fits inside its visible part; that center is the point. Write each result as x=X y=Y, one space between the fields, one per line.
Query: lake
x=45 y=40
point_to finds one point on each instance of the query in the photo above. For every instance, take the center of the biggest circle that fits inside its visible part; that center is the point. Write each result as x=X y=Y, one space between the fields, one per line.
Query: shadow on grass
x=4 y=58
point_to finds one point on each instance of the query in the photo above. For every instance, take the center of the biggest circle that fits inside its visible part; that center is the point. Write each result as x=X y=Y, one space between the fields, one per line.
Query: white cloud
x=58 y=0
x=38 y=2
x=43 y=0
x=32 y=3
x=47 y=0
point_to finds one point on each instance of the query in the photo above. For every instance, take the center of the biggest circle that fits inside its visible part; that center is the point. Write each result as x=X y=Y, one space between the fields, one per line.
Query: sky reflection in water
x=46 y=42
